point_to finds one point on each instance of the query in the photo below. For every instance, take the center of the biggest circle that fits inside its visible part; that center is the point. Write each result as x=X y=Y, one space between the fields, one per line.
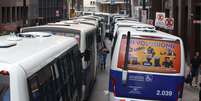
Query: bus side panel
x=146 y=86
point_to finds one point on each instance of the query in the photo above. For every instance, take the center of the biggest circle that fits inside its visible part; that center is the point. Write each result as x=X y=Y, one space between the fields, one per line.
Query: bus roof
x=32 y=54
x=124 y=30
x=71 y=28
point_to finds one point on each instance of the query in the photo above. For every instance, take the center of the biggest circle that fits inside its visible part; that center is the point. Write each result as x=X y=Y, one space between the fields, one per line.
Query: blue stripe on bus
x=147 y=86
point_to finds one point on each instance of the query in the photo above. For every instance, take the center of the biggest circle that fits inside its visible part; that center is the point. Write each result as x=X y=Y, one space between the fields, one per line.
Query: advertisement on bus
x=151 y=55
x=153 y=62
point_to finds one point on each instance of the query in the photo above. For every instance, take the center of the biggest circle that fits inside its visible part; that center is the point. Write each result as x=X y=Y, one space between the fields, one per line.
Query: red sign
x=169 y=23
x=160 y=19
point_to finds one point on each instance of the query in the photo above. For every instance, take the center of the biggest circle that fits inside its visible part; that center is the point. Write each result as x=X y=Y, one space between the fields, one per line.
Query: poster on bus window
x=151 y=55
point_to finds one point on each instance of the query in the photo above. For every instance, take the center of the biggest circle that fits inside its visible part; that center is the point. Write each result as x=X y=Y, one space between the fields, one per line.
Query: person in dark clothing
x=103 y=56
x=195 y=64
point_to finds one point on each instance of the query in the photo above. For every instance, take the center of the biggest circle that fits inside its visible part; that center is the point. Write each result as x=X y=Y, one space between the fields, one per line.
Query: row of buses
x=57 y=61
x=146 y=64
x=53 y=62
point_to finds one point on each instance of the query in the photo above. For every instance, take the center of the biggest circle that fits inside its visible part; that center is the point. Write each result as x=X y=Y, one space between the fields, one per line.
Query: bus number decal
x=163 y=93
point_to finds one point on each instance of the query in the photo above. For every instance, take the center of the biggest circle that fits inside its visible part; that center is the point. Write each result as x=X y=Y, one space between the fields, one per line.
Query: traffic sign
x=160 y=19
x=169 y=23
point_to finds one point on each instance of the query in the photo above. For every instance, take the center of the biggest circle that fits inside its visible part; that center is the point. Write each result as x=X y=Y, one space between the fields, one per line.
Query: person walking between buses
x=103 y=56
x=195 y=64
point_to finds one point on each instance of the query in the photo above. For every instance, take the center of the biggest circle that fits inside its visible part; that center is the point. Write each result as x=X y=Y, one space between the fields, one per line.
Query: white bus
x=146 y=65
x=86 y=37
x=107 y=18
x=40 y=67
x=99 y=22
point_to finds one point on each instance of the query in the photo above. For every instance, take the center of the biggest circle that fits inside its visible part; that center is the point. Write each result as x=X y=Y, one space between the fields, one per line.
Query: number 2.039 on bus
x=147 y=66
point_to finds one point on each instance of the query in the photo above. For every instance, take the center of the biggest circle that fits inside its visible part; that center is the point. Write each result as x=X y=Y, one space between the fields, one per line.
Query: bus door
x=152 y=65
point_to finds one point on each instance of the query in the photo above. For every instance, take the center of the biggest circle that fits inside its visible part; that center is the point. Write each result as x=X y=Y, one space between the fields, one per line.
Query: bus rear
x=151 y=69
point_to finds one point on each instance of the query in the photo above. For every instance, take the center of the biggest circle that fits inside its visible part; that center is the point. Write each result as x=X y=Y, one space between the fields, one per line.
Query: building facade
x=32 y=12
x=111 y=6
x=187 y=21
x=12 y=12
x=90 y=5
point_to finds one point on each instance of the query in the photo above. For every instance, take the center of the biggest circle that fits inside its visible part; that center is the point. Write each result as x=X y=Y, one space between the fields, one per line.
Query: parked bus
x=39 y=66
x=86 y=37
x=108 y=20
x=146 y=65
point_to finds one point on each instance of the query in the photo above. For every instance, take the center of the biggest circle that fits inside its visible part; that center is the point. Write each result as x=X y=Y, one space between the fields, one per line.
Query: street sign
x=160 y=19
x=169 y=23
x=144 y=16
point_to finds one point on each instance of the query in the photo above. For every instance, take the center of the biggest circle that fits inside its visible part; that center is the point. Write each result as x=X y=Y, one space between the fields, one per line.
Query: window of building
x=3 y=15
x=21 y=10
x=8 y=15
x=18 y=13
x=13 y=14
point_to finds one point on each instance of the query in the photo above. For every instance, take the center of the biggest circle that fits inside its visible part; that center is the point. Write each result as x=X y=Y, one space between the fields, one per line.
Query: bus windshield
x=4 y=88
x=151 y=55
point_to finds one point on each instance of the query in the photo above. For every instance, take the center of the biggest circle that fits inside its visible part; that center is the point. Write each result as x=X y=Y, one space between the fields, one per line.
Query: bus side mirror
x=86 y=55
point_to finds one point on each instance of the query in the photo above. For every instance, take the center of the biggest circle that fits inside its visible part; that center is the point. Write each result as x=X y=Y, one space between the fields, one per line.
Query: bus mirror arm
x=125 y=69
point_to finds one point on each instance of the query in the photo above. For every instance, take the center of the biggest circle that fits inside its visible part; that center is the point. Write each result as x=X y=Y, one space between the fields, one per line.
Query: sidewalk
x=187 y=70
x=191 y=93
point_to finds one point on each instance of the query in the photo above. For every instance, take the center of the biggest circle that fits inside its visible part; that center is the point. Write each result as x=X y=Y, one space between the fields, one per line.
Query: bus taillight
x=114 y=86
x=4 y=72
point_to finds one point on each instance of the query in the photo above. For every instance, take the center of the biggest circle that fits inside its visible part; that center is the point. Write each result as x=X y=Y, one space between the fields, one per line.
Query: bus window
x=151 y=55
x=4 y=88
x=41 y=85
x=63 y=87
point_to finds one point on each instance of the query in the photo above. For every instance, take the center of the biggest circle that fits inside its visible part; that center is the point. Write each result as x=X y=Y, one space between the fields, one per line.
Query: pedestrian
x=103 y=56
x=195 y=64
